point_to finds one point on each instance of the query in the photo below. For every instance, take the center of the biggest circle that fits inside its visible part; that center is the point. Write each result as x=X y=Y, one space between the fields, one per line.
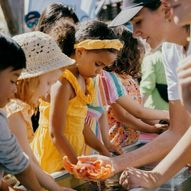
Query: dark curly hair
x=63 y=33
x=94 y=29
x=129 y=57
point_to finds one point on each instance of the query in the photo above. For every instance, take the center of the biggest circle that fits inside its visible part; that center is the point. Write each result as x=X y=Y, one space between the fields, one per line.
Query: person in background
x=44 y=60
x=31 y=20
x=124 y=125
x=53 y=13
x=13 y=160
x=153 y=83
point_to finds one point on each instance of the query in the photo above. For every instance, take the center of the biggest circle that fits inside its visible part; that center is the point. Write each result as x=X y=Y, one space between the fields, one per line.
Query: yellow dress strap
x=88 y=97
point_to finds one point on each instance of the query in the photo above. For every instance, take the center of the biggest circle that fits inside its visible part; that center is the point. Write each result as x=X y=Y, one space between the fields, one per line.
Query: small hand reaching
x=161 y=127
x=117 y=150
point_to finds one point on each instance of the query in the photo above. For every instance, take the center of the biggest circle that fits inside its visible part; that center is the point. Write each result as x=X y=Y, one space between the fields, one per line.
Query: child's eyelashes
x=97 y=64
x=138 y=22
x=13 y=82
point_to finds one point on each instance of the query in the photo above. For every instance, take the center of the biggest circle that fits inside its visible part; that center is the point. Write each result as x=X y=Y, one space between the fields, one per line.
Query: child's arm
x=104 y=127
x=17 y=126
x=128 y=119
x=29 y=180
x=93 y=142
x=61 y=93
x=13 y=160
x=19 y=129
x=139 y=111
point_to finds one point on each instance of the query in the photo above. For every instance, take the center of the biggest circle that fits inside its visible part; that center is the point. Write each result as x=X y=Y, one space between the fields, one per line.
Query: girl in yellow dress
x=96 y=47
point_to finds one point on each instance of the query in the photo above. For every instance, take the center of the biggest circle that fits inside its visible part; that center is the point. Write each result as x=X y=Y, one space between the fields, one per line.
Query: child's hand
x=93 y=158
x=105 y=152
x=117 y=150
x=90 y=167
x=161 y=127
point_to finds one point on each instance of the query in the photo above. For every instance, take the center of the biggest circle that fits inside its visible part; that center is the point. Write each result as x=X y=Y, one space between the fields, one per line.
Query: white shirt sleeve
x=172 y=54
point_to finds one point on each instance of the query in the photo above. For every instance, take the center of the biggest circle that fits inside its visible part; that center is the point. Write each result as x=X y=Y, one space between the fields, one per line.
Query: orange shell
x=94 y=170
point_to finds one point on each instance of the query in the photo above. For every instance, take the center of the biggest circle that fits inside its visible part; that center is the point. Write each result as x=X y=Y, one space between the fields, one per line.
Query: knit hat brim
x=64 y=61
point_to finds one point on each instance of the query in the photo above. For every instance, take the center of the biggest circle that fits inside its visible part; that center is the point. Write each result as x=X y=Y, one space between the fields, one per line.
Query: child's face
x=8 y=88
x=45 y=82
x=91 y=63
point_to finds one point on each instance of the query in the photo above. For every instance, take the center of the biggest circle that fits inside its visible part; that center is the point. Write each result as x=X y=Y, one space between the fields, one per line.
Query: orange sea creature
x=91 y=170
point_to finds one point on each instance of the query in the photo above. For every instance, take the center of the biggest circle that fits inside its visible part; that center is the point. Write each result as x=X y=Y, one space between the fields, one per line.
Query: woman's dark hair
x=152 y=4
x=11 y=54
x=94 y=30
x=53 y=13
x=63 y=32
x=128 y=60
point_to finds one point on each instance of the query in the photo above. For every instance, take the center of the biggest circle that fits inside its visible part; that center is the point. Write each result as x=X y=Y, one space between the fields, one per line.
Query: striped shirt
x=12 y=158
x=108 y=89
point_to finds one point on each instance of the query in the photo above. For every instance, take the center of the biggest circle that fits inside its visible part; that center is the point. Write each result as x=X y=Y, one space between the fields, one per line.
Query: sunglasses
x=31 y=24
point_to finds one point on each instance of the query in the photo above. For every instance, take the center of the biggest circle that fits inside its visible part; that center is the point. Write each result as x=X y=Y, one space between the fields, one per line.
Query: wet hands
x=116 y=150
x=161 y=127
x=92 y=167
x=135 y=178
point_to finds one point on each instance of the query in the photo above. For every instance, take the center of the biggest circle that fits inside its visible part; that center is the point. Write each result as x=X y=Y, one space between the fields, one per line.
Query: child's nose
x=14 y=89
x=98 y=71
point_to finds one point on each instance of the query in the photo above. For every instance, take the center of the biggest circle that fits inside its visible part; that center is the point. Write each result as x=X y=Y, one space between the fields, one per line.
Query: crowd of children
x=82 y=78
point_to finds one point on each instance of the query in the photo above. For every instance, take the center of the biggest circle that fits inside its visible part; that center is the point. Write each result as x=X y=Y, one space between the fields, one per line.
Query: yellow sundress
x=46 y=153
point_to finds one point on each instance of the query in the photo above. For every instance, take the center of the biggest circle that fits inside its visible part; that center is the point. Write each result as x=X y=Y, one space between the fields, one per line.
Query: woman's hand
x=135 y=178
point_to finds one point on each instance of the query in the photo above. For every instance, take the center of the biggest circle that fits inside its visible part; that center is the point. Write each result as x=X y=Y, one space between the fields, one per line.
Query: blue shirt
x=12 y=158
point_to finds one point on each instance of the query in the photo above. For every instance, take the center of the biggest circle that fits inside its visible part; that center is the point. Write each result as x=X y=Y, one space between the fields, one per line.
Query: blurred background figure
x=31 y=20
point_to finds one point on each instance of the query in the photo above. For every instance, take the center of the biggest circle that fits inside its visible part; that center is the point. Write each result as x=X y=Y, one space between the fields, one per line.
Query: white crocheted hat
x=42 y=54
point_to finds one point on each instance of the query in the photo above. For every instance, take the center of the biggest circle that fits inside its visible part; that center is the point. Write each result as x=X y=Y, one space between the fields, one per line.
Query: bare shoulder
x=16 y=120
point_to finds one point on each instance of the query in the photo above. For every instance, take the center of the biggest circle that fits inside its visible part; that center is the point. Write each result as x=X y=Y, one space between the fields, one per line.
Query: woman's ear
x=167 y=10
